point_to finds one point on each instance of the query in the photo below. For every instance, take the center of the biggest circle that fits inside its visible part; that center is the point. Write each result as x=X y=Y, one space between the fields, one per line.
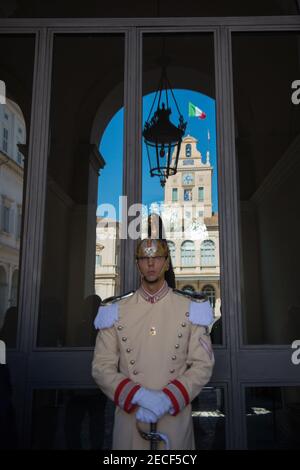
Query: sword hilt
x=154 y=436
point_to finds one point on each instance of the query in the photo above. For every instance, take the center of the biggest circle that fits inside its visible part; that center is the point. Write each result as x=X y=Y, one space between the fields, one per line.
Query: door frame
x=236 y=364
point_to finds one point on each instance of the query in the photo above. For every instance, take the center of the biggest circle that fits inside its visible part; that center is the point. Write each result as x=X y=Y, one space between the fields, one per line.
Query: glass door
x=80 y=263
x=188 y=201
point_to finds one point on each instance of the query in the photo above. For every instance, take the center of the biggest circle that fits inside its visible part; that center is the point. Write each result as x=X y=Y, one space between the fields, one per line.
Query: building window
x=200 y=213
x=5 y=140
x=188 y=150
x=187 y=195
x=210 y=293
x=171 y=246
x=174 y=194
x=5 y=219
x=188 y=162
x=188 y=289
x=19 y=223
x=201 y=194
x=208 y=255
x=98 y=260
x=19 y=155
x=188 y=253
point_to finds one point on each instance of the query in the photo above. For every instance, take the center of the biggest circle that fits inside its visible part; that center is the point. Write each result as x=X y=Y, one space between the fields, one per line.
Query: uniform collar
x=153 y=298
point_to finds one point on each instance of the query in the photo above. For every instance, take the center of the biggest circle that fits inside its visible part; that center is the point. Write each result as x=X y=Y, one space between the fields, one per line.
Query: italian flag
x=194 y=111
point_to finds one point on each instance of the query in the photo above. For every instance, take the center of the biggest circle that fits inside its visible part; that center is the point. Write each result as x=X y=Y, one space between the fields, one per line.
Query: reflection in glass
x=273 y=417
x=71 y=419
x=109 y=225
x=83 y=419
x=15 y=106
x=209 y=419
x=81 y=247
x=188 y=204
x=267 y=147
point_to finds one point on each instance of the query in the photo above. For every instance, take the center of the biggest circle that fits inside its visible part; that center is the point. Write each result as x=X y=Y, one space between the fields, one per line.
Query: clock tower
x=192 y=229
x=192 y=184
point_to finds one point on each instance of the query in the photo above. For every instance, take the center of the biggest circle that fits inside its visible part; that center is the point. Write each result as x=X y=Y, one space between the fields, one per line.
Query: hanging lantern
x=162 y=138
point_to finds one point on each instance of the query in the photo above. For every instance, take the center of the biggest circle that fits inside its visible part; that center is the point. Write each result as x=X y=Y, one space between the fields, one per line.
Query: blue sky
x=111 y=147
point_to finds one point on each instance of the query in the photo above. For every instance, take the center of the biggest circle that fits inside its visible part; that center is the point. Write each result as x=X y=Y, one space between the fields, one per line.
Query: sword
x=153 y=442
x=154 y=437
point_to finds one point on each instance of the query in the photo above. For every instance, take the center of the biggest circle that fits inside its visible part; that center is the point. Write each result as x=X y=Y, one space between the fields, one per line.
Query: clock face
x=188 y=178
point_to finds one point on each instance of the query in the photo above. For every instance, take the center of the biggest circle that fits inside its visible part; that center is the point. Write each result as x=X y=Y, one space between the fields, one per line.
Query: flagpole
x=208 y=144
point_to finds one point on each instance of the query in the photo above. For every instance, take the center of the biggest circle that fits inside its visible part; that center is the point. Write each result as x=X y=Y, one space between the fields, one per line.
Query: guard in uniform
x=153 y=355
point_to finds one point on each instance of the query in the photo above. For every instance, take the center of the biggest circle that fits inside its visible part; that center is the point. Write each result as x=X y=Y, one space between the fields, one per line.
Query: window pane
x=208 y=412
x=174 y=194
x=273 y=417
x=267 y=146
x=71 y=419
x=83 y=188
x=201 y=194
x=188 y=219
x=14 y=115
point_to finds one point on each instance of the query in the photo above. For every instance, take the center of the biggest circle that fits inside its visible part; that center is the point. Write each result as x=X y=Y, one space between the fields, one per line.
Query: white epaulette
x=108 y=312
x=107 y=316
x=201 y=313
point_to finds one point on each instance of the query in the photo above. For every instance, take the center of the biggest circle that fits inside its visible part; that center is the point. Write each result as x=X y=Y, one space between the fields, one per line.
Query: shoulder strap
x=114 y=299
x=194 y=296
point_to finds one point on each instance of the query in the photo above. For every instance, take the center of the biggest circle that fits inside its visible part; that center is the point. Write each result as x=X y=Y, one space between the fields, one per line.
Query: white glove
x=154 y=400
x=146 y=416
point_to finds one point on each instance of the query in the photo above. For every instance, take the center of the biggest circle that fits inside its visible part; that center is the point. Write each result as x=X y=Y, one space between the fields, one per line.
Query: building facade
x=107 y=266
x=193 y=229
x=13 y=132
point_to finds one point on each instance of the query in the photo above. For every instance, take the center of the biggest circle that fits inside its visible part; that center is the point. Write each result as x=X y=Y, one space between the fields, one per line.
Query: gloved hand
x=146 y=416
x=154 y=400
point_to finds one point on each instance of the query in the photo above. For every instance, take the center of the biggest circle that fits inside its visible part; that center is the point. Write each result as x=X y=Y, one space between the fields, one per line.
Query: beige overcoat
x=153 y=345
